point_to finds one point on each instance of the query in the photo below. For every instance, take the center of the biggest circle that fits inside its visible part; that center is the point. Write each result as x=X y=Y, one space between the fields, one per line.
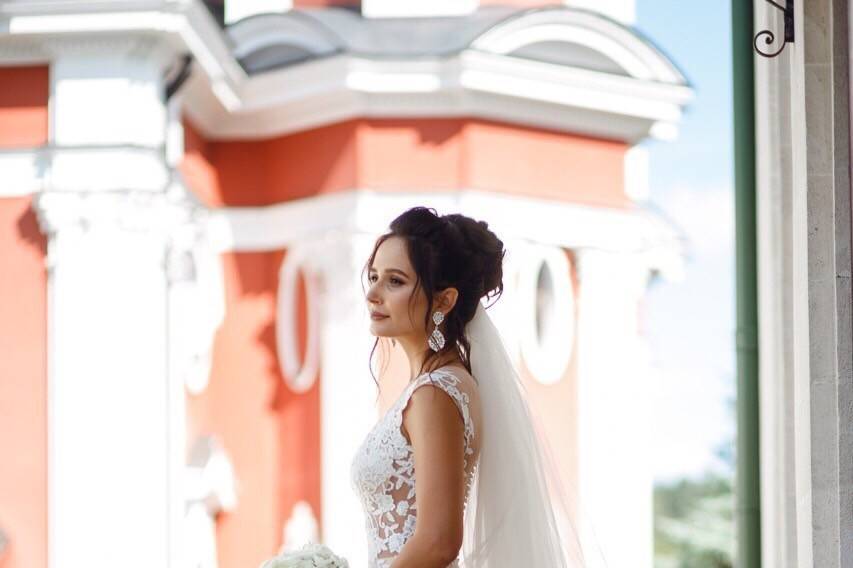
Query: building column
x=115 y=429
x=775 y=112
x=348 y=394
x=822 y=289
x=614 y=412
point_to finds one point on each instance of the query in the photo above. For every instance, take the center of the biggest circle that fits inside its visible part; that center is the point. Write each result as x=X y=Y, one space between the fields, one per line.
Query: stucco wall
x=23 y=333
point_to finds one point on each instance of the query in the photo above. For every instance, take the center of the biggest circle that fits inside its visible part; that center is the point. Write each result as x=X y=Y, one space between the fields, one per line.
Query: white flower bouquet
x=312 y=555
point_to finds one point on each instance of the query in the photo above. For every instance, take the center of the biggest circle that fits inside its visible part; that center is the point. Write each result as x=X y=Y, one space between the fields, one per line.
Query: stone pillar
x=775 y=111
x=115 y=423
x=822 y=234
x=615 y=477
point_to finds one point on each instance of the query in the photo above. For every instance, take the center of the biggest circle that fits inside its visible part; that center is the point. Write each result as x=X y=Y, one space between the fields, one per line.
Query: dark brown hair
x=448 y=251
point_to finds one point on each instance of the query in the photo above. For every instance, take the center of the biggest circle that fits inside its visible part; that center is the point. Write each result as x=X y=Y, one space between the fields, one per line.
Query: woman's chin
x=376 y=328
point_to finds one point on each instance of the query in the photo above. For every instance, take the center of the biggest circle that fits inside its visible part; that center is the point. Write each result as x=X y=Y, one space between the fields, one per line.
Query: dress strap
x=448 y=383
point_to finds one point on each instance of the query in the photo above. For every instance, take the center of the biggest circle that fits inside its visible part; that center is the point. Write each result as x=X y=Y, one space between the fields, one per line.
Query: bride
x=452 y=475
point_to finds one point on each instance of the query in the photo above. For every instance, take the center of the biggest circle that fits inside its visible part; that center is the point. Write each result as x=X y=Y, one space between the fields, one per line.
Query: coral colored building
x=186 y=207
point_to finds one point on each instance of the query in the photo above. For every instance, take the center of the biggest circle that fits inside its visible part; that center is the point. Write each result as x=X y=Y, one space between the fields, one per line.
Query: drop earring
x=436 y=339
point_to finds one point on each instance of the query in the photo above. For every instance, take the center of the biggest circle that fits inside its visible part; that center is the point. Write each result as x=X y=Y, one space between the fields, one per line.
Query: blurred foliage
x=694 y=522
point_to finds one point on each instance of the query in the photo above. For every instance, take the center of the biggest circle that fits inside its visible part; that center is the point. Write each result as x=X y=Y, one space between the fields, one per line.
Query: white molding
x=472 y=83
x=83 y=168
x=546 y=359
x=23 y=51
x=619 y=43
x=279 y=226
x=253 y=34
x=564 y=224
x=109 y=168
x=299 y=373
x=157 y=215
x=186 y=22
x=481 y=81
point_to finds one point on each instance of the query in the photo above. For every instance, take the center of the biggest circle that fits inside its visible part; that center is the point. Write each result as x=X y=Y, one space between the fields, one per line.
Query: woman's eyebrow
x=397 y=270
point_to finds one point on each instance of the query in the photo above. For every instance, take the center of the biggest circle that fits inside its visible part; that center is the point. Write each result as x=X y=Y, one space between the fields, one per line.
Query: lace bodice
x=383 y=469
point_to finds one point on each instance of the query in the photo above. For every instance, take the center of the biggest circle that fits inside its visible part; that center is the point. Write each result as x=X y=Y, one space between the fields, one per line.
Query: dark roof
x=313 y=33
x=346 y=30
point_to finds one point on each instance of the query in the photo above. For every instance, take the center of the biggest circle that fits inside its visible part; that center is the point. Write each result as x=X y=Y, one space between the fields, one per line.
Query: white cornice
x=362 y=211
x=185 y=23
x=618 y=43
x=89 y=168
x=158 y=215
x=483 y=81
x=471 y=83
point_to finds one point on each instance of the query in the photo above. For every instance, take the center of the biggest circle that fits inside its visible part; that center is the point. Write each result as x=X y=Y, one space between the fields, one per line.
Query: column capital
x=133 y=211
x=169 y=221
x=150 y=47
x=134 y=45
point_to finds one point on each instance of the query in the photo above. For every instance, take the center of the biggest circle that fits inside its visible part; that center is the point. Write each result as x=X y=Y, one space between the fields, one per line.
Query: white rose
x=312 y=555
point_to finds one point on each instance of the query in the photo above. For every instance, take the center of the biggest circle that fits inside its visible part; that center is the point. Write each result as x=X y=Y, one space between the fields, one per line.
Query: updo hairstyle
x=449 y=251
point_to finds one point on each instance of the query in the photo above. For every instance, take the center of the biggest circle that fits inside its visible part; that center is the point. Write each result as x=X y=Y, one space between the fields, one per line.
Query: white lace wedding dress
x=383 y=469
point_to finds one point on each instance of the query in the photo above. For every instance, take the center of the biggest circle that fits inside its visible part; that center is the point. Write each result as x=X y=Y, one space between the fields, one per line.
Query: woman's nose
x=372 y=296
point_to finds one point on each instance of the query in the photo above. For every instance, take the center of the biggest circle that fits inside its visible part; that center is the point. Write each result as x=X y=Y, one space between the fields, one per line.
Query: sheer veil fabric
x=516 y=489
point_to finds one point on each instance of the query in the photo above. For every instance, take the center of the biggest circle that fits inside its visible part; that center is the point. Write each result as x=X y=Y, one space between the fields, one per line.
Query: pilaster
x=614 y=405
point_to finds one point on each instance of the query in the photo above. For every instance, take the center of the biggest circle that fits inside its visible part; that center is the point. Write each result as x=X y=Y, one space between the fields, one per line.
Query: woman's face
x=391 y=281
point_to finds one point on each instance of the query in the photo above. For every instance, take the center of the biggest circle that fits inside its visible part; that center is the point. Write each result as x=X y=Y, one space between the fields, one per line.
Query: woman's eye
x=373 y=278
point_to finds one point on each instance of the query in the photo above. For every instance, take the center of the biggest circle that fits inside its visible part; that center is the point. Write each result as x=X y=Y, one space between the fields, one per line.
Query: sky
x=690 y=324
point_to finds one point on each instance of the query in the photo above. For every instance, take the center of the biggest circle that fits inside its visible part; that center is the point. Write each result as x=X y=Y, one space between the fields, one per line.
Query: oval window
x=547 y=313
x=299 y=371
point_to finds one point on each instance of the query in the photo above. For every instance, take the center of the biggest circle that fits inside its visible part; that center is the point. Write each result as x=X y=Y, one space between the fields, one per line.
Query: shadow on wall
x=4 y=547
x=29 y=231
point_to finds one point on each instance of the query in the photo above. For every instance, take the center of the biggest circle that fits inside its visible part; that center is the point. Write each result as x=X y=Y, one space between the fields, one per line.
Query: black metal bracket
x=770 y=37
x=175 y=83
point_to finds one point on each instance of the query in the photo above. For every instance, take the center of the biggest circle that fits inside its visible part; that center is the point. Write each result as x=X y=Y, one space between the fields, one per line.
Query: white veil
x=510 y=520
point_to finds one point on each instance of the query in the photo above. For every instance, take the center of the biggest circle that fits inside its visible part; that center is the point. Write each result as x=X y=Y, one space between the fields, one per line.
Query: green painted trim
x=747 y=482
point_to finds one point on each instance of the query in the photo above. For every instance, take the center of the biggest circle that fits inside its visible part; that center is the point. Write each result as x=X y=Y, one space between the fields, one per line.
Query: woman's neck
x=417 y=356
x=449 y=359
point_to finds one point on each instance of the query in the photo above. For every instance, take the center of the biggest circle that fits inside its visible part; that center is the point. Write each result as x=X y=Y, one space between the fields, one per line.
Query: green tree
x=694 y=518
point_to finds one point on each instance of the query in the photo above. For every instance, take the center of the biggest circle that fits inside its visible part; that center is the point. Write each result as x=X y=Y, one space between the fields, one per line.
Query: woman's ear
x=446 y=299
